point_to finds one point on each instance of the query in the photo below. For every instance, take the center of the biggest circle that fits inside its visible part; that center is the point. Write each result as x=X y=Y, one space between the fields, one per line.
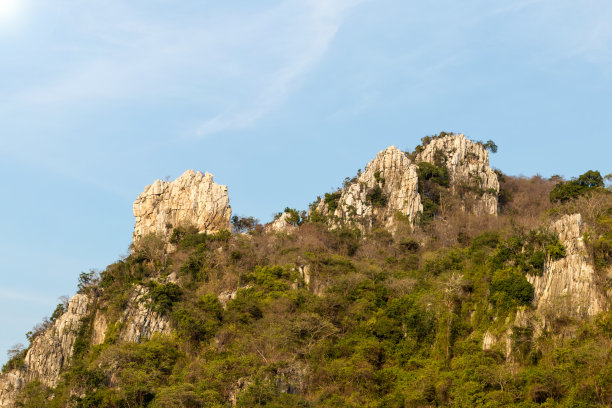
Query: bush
x=568 y=190
x=163 y=296
x=509 y=287
x=332 y=200
x=376 y=197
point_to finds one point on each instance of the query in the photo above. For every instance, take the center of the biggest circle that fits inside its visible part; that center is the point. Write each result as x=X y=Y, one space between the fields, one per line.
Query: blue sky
x=280 y=100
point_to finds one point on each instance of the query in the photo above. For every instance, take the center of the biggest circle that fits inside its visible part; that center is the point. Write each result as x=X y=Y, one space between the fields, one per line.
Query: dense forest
x=341 y=317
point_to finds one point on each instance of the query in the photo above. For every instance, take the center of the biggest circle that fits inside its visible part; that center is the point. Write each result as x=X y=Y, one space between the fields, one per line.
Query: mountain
x=429 y=279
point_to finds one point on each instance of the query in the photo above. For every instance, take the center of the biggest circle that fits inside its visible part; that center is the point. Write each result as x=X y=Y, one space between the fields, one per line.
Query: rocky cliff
x=192 y=199
x=389 y=185
x=569 y=286
x=469 y=171
x=49 y=353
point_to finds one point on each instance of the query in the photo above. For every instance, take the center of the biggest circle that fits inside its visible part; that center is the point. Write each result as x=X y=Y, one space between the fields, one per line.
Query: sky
x=279 y=99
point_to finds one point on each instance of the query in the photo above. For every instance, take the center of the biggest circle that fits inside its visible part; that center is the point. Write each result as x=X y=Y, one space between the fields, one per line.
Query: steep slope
x=49 y=352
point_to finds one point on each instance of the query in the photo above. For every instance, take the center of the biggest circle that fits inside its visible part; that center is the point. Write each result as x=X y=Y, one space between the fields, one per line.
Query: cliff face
x=469 y=171
x=569 y=285
x=138 y=322
x=49 y=353
x=192 y=199
x=390 y=175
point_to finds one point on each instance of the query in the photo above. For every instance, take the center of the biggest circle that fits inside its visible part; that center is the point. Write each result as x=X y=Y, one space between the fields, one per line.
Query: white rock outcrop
x=569 y=286
x=468 y=167
x=192 y=199
x=49 y=353
x=396 y=176
x=139 y=321
x=281 y=224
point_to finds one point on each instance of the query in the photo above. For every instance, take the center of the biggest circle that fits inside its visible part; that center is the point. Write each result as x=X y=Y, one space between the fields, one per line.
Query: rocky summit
x=192 y=199
x=427 y=280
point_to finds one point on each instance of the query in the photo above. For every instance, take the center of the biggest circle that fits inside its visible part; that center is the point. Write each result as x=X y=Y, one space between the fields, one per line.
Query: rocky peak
x=468 y=167
x=569 y=286
x=388 y=185
x=192 y=199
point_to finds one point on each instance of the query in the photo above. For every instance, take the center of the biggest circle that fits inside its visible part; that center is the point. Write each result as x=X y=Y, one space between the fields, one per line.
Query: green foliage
x=83 y=337
x=433 y=183
x=86 y=280
x=163 y=296
x=376 y=197
x=332 y=200
x=16 y=358
x=60 y=309
x=528 y=251
x=490 y=145
x=243 y=224
x=199 y=320
x=295 y=217
x=567 y=190
x=509 y=288
x=181 y=232
x=386 y=320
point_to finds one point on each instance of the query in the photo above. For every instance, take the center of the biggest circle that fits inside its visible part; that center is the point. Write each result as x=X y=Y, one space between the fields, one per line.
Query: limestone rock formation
x=49 y=353
x=281 y=224
x=388 y=185
x=569 y=286
x=139 y=321
x=192 y=199
x=469 y=171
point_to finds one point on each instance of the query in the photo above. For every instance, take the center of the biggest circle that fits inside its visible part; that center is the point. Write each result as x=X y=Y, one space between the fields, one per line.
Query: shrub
x=243 y=224
x=332 y=200
x=376 y=197
x=163 y=296
x=567 y=190
x=16 y=358
x=510 y=287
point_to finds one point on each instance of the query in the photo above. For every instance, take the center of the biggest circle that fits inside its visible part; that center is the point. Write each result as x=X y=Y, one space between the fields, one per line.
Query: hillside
x=427 y=279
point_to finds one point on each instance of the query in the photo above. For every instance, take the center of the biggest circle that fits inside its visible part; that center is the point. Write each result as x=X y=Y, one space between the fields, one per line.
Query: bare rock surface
x=139 y=321
x=192 y=199
x=282 y=224
x=395 y=176
x=468 y=166
x=569 y=286
x=49 y=353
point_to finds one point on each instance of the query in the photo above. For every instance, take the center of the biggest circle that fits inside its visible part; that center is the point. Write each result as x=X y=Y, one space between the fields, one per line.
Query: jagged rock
x=395 y=177
x=139 y=321
x=10 y=384
x=49 y=353
x=192 y=199
x=569 y=286
x=468 y=167
x=281 y=224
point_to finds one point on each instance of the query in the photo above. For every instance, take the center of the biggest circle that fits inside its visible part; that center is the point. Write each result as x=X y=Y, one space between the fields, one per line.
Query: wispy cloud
x=235 y=67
